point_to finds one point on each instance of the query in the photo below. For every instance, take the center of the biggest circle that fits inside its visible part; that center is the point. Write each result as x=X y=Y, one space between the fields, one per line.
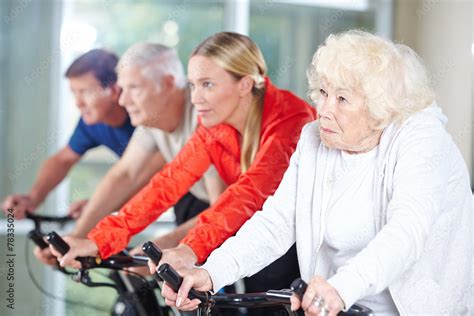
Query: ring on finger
x=318 y=301
x=324 y=311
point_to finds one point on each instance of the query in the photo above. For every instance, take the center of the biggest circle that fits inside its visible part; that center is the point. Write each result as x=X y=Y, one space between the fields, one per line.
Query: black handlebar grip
x=152 y=251
x=174 y=280
x=54 y=239
x=298 y=287
x=170 y=276
x=37 y=238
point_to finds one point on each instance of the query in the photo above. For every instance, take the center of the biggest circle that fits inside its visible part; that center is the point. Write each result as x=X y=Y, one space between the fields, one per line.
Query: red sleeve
x=113 y=233
x=246 y=196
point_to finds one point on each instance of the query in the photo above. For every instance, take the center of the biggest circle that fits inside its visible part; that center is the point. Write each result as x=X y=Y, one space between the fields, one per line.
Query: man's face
x=94 y=101
x=145 y=101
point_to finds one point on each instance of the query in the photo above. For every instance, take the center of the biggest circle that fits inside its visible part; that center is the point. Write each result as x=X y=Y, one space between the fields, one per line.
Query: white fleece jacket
x=423 y=210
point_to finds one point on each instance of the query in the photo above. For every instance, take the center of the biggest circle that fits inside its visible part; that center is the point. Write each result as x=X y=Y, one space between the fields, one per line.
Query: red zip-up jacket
x=284 y=115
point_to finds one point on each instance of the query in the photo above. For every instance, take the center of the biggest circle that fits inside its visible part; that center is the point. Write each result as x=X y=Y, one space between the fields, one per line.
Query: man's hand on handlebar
x=181 y=258
x=45 y=256
x=196 y=278
x=20 y=203
x=76 y=208
x=79 y=247
x=319 y=295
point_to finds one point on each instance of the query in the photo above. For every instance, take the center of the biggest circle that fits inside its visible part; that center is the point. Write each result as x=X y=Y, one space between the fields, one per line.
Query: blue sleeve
x=81 y=140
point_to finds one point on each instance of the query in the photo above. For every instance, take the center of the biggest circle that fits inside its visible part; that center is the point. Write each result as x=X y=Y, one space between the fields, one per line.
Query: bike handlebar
x=155 y=254
x=299 y=287
x=46 y=218
x=269 y=298
x=54 y=239
x=36 y=235
x=152 y=251
x=117 y=262
x=37 y=238
x=167 y=273
x=174 y=280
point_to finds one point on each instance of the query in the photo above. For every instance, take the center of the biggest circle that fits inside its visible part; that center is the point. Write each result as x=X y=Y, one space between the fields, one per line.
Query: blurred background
x=40 y=38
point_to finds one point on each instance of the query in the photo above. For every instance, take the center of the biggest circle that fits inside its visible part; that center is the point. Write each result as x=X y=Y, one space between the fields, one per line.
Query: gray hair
x=155 y=60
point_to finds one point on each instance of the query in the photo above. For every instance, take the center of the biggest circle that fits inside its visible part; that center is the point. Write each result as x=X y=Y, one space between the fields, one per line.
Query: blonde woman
x=377 y=195
x=248 y=130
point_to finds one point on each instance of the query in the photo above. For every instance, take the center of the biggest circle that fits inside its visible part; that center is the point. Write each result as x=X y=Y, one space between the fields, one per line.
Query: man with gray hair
x=156 y=96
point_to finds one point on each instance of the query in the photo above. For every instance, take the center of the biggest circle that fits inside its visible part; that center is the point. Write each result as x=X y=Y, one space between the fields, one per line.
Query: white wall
x=441 y=31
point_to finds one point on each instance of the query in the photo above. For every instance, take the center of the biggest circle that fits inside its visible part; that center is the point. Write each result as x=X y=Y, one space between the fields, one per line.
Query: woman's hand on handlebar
x=180 y=258
x=319 y=295
x=79 y=247
x=196 y=278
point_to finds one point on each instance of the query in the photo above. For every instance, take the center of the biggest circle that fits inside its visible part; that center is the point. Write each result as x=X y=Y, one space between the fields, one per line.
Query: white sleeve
x=143 y=137
x=420 y=178
x=265 y=237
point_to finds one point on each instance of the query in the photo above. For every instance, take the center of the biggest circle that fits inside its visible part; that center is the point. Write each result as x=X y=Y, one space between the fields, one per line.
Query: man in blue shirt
x=92 y=79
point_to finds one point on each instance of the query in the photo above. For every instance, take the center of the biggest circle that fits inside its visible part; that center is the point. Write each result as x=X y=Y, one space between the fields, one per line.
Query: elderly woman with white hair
x=377 y=195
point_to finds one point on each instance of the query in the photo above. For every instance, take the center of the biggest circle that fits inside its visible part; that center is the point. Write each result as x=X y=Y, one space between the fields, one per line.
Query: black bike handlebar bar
x=36 y=235
x=269 y=298
x=46 y=218
x=167 y=273
x=37 y=238
x=152 y=251
x=174 y=280
x=117 y=262
x=299 y=287
x=155 y=254
x=58 y=243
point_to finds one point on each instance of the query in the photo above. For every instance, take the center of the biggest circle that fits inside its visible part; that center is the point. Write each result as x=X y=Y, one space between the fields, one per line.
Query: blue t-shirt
x=86 y=137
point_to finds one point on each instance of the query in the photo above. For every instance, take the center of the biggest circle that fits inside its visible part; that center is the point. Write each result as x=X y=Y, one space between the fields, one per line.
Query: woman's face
x=344 y=121
x=215 y=93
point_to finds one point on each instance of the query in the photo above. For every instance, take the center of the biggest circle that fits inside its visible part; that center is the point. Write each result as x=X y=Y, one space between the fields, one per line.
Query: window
x=289 y=32
x=116 y=25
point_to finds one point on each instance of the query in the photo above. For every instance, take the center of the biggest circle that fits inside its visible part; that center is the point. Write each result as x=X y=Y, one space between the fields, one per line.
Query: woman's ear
x=245 y=85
